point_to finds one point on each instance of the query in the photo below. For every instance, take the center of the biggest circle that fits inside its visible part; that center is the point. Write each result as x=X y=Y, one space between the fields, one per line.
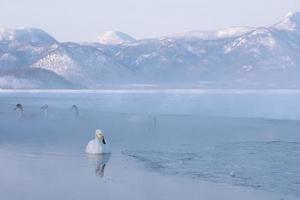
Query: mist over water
x=239 y=139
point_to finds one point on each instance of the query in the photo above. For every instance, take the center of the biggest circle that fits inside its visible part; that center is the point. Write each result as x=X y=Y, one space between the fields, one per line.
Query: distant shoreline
x=157 y=90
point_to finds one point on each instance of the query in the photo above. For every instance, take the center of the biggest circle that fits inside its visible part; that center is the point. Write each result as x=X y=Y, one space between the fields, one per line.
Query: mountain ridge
x=236 y=57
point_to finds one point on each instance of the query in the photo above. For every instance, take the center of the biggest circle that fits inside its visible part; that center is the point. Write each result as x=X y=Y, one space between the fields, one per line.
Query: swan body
x=98 y=145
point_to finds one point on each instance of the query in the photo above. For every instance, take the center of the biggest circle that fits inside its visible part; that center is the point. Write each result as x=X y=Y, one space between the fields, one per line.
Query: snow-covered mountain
x=238 y=57
x=26 y=35
x=264 y=57
x=114 y=37
x=83 y=65
x=290 y=23
x=26 y=55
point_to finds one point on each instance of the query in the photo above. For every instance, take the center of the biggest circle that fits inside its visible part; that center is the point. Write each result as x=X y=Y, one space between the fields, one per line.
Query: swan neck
x=97 y=140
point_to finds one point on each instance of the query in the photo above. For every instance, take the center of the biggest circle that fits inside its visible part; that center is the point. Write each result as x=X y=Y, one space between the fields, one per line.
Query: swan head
x=18 y=107
x=44 y=107
x=100 y=136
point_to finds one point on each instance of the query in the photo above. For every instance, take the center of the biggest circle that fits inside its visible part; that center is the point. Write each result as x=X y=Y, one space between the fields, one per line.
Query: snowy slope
x=26 y=35
x=82 y=64
x=213 y=35
x=33 y=78
x=290 y=23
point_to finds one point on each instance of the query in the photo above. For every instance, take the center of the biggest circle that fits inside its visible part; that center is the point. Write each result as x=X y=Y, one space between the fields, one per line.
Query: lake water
x=168 y=144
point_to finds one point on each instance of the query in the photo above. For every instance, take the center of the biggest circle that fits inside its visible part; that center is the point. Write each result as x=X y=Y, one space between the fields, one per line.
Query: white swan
x=19 y=110
x=76 y=110
x=97 y=145
x=44 y=109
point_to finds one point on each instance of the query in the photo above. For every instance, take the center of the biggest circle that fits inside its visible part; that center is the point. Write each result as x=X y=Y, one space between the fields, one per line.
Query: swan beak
x=100 y=137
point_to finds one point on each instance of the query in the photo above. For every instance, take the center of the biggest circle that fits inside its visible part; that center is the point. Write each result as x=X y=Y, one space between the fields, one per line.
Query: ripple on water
x=270 y=166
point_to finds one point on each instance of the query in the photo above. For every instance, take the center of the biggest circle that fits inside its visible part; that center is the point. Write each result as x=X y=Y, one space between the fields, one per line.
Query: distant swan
x=76 y=110
x=232 y=174
x=44 y=108
x=97 y=145
x=19 y=109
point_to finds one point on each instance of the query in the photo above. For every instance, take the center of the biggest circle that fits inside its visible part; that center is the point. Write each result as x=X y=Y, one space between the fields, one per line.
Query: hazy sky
x=75 y=20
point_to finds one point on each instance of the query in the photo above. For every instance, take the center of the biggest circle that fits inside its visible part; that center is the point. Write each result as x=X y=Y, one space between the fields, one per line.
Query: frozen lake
x=168 y=144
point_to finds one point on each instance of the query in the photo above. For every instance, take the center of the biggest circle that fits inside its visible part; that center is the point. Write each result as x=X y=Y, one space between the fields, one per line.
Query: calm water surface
x=246 y=144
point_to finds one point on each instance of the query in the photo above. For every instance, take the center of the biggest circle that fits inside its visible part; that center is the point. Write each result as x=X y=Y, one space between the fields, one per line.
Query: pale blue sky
x=75 y=20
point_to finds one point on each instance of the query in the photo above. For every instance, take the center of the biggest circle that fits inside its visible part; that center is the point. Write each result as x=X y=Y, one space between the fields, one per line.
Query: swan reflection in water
x=100 y=161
